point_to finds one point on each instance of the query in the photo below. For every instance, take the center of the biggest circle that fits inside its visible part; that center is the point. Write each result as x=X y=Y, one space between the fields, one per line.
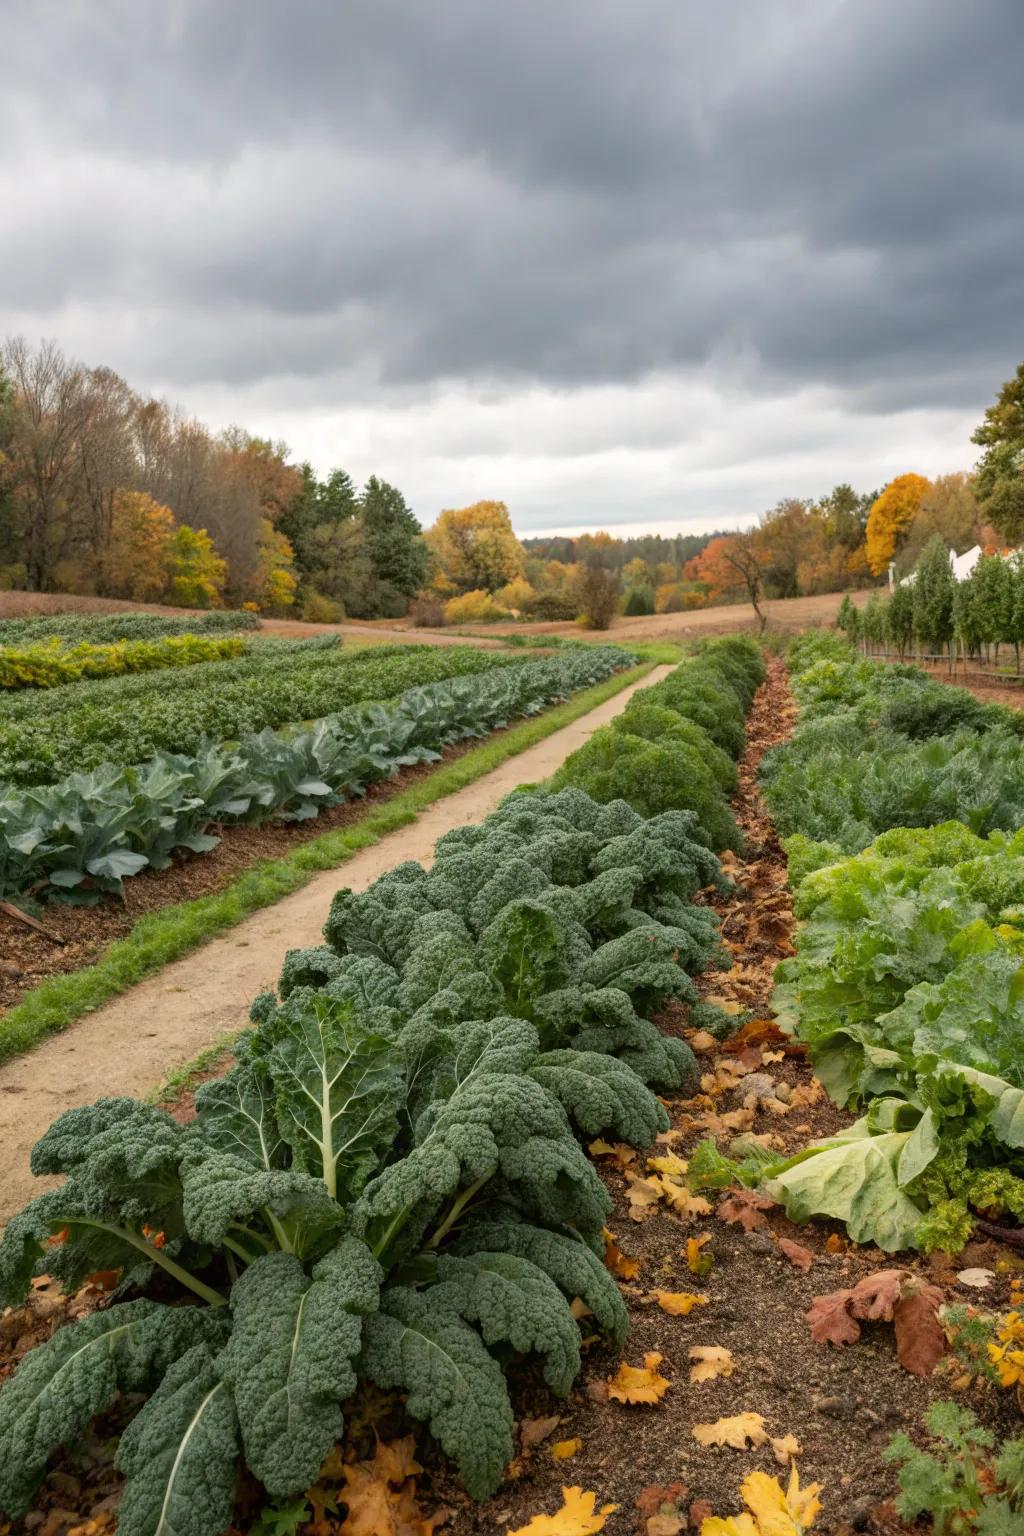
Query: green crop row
x=103 y=628
x=84 y=835
x=50 y=663
x=908 y=980
x=389 y=1185
x=266 y=688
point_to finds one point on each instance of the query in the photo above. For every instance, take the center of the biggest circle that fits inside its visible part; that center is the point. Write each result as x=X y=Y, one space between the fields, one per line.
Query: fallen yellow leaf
x=774 y=1511
x=698 y=1262
x=784 y=1447
x=578 y=1516
x=710 y=1361
x=563 y=1449
x=736 y=1431
x=670 y=1164
x=618 y=1262
x=679 y=1303
x=639 y=1384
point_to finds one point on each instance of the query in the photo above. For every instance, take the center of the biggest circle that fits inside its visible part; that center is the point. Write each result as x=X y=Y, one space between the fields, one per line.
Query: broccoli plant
x=412 y=1208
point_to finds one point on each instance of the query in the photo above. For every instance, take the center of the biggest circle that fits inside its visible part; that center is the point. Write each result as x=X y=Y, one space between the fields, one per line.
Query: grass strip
x=160 y=937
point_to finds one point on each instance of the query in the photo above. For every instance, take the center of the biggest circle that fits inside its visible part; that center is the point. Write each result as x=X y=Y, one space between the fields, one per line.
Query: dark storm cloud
x=574 y=192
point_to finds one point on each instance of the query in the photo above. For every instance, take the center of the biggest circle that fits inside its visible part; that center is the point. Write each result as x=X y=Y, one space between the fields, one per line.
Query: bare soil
x=133 y=1042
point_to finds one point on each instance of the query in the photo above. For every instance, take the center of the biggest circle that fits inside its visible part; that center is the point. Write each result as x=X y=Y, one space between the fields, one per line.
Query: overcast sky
x=639 y=264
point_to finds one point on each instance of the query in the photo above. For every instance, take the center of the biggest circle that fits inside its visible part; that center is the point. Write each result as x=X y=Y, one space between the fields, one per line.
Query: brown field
x=791 y=613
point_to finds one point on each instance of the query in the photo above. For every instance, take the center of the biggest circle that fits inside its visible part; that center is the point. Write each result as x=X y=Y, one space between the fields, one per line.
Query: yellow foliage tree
x=475 y=547
x=516 y=594
x=136 y=563
x=197 y=572
x=891 y=516
x=276 y=581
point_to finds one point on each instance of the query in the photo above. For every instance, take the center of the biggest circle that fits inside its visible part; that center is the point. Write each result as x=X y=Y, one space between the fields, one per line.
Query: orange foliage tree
x=891 y=517
x=732 y=563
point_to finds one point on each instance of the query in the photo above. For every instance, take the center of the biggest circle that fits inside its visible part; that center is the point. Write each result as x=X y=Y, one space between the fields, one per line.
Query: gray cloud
x=361 y=205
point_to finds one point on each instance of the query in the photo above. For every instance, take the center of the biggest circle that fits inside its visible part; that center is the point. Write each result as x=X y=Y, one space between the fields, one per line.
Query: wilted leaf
x=679 y=1303
x=639 y=1384
x=784 y=1447
x=805 y=1094
x=739 y=1431
x=745 y=1207
x=799 y=1256
x=563 y=1449
x=578 y=1516
x=875 y=1297
x=980 y=1278
x=381 y=1495
x=697 y=1261
x=618 y=1262
x=710 y=1361
x=701 y=1042
x=920 y=1336
x=643 y=1195
x=533 y=1431
x=655 y=1499
x=830 y=1320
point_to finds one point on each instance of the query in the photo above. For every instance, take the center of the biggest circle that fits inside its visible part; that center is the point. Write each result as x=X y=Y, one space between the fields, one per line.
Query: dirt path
x=132 y=1043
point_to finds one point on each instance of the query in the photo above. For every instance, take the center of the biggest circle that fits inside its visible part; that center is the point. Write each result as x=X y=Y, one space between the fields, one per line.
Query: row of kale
x=388 y=1186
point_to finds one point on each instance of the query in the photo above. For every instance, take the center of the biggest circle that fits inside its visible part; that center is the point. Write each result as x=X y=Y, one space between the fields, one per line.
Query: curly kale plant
x=405 y=1205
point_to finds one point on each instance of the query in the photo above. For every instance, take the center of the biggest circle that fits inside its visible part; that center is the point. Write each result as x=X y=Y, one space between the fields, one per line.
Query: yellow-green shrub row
x=50 y=662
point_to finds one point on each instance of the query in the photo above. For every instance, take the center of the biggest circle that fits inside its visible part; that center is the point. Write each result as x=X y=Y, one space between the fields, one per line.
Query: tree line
x=105 y=491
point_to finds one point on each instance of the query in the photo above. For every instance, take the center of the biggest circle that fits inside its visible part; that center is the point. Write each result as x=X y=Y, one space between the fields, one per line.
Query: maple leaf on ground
x=773 y=1510
x=563 y=1449
x=739 y=1431
x=679 y=1303
x=618 y=1262
x=711 y=1361
x=744 y=1207
x=643 y=1196
x=624 y=1155
x=702 y=1042
x=670 y=1164
x=654 y=1499
x=680 y=1198
x=799 y=1256
x=639 y=1384
x=830 y=1320
x=755 y=1032
x=578 y=1516
x=380 y=1495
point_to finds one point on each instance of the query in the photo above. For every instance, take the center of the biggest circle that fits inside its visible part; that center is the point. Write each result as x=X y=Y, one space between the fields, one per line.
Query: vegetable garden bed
x=550 y=922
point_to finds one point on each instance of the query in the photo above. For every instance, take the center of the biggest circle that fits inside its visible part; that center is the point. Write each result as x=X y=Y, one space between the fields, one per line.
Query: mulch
x=842 y=1405
x=81 y=934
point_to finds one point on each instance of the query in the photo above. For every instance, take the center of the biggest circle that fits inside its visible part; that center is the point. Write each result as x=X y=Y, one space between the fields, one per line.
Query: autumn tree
x=197 y=574
x=136 y=561
x=999 y=479
x=730 y=564
x=890 y=519
x=597 y=593
x=475 y=547
x=949 y=509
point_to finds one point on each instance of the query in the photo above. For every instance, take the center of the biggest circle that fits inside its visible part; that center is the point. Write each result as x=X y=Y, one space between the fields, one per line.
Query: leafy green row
x=86 y=834
x=388 y=1186
x=883 y=747
x=673 y=747
x=265 y=689
x=908 y=981
x=102 y=628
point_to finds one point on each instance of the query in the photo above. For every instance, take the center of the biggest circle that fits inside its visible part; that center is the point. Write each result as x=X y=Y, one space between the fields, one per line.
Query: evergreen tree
x=933 y=590
x=999 y=483
x=394 y=542
x=899 y=619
